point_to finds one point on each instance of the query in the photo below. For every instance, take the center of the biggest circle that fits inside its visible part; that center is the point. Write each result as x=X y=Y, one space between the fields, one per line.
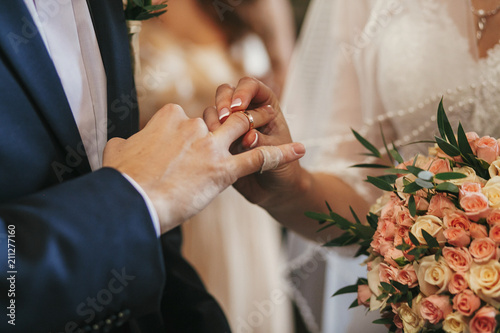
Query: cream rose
x=494 y=168
x=455 y=323
x=373 y=276
x=484 y=280
x=433 y=276
x=432 y=224
x=492 y=191
x=412 y=322
x=472 y=177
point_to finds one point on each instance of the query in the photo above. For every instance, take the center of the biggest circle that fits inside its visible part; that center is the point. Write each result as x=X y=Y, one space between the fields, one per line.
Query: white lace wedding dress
x=363 y=63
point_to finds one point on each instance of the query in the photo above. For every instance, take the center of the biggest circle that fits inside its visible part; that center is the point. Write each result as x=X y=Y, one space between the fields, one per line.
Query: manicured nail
x=254 y=143
x=298 y=149
x=237 y=102
x=224 y=114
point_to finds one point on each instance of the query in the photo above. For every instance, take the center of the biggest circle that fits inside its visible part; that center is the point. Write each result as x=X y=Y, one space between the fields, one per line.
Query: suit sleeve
x=79 y=254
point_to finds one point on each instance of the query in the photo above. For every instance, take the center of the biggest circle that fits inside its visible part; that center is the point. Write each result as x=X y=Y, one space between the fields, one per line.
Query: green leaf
x=354 y=215
x=425 y=175
x=447 y=148
x=431 y=241
x=364 y=231
x=345 y=239
x=341 y=222
x=401 y=261
x=372 y=220
x=424 y=183
x=370 y=166
x=447 y=187
x=354 y=304
x=463 y=143
x=449 y=175
x=346 y=290
x=381 y=184
x=444 y=126
x=374 y=151
x=331 y=224
x=387 y=287
x=412 y=207
x=414 y=239
x=397 y=171
x=403 y=246
x=318 y=216
x=383 y=321
x=438 y=254
x=391 y=179
x=385 y=144
x=401 y=287
x=412 y=188
x=414 y=170
x=394 y=152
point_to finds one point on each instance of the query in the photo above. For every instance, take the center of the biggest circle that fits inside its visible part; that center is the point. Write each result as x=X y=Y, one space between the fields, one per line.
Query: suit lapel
x=23 y=50
x=111 y=32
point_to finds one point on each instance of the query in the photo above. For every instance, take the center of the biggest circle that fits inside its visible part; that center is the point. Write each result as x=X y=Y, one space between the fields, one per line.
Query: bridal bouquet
x=432 y=239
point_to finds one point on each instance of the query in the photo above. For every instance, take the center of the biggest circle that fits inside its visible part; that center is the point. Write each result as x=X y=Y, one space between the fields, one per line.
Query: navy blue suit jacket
x=78 y=250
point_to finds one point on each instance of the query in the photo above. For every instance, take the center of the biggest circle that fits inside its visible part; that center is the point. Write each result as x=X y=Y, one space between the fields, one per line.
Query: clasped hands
x=183 y=164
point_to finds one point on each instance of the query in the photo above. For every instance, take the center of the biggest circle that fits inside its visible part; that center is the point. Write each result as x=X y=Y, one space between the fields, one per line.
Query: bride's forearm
x=310 y=194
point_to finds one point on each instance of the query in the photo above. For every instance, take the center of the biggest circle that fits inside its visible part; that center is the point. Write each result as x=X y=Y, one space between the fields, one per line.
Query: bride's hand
x=270 y=188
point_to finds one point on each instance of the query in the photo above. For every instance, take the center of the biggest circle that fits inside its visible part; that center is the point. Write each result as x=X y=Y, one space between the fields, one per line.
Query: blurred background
x=239 y=252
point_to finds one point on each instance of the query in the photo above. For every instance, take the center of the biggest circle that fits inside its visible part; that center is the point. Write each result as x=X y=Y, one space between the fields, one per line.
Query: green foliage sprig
x=140 y=10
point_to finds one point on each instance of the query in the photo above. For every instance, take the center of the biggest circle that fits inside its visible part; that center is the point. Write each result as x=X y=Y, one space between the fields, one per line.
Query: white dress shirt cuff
x=149 y=204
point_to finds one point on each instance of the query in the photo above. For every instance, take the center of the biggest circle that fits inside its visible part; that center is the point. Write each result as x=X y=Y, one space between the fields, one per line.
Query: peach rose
x=495 y=233
x=494 y=217
x=455 y=323
x=458 y=283
x=364 y=295
x=391 y=255
x=387 y=273
x=466 y=302
x=458 y=258
x=472 y=138
x=483 y=250
x=385 y=246
x=421 y=203
x=433 y=276
x=386 y=228
x=402 y=233
x=377 y=240
x=468 y=187
x=408 y=276
x=492 y=192
x=435 y=308
x=438 y=165
x=457 y=237
x=487 y=148
x=403 y=217
x=430 y=223
x=438 y=204
x=475 y=205
x=478 y=230
x=484 y=320
x=454 y=218
x=484 y=280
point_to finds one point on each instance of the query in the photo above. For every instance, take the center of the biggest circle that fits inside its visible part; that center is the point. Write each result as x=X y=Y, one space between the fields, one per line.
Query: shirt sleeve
x=149 y=204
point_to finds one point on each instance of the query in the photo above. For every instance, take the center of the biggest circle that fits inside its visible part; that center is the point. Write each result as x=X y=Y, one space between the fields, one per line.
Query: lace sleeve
x=329 y=59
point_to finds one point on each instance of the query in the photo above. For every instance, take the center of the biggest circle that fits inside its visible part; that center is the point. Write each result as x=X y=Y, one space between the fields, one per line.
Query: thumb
x=267 y=158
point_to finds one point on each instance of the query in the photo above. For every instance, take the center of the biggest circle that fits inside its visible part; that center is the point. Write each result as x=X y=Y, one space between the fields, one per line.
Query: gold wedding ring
x=250 y=119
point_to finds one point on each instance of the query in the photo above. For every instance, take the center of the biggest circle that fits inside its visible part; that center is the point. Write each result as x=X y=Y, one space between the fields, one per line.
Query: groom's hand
x=272 y=187
x=182 y=165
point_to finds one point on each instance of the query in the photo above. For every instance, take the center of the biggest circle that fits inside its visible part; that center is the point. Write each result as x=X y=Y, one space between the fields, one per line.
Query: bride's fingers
x=266 y=158
x=223 y=97
x=251 y=91
x=240 y=123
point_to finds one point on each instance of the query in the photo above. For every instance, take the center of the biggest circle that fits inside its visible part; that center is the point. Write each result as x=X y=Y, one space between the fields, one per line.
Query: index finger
x=248 y=92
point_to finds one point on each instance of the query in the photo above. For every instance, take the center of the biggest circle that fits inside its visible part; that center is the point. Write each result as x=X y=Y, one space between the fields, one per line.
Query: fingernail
x=224 y=114
x=237 y=102
x=254 y=143
x=298 y=149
